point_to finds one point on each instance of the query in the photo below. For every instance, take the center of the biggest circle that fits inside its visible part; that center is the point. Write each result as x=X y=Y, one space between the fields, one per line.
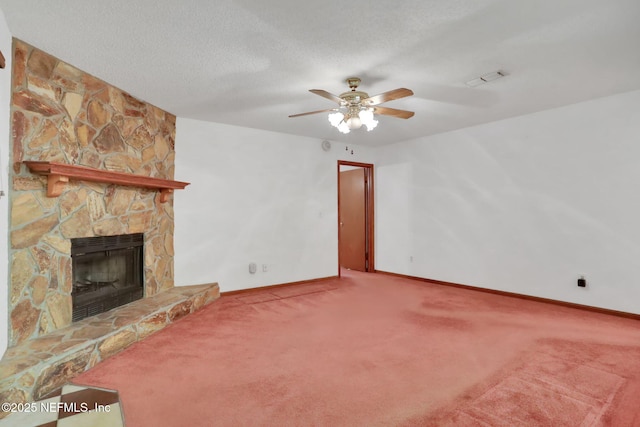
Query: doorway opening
x=355 y=216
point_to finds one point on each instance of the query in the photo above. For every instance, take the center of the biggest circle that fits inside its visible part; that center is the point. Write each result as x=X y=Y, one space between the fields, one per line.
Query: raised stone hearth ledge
x=35 y=368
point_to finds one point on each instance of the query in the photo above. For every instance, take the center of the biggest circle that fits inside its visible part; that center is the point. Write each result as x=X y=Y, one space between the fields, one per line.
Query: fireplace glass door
x=107 y=273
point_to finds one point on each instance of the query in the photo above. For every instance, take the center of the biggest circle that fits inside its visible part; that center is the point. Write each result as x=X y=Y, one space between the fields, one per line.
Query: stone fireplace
x=64 y=115
x=91 y=217
x=107 y=272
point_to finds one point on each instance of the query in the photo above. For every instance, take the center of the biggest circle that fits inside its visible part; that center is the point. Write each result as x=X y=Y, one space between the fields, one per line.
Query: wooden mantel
x=58 y=174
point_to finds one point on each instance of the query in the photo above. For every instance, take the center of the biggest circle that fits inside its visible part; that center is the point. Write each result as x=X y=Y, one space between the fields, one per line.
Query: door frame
x=369 y=214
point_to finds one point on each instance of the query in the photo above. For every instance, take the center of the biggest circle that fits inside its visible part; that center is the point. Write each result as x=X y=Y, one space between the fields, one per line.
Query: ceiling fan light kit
x=357 y=108
x=353 y=118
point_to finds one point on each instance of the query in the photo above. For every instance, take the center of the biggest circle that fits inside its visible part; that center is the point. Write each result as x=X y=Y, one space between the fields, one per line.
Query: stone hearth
x=37 y=367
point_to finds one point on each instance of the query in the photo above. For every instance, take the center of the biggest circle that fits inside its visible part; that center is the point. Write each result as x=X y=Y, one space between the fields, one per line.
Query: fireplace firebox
x=107 y=273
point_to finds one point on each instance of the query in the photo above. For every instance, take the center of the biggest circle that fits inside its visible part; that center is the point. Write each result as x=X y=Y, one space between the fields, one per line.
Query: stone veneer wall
x=62 y=114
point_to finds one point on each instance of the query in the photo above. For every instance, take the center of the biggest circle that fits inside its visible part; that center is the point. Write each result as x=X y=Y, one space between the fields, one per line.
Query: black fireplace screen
x=107 y=273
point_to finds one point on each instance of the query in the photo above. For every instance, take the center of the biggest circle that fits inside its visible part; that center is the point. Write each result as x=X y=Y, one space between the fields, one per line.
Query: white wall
x=5 y=96
x=523 y=205
x=255 y=196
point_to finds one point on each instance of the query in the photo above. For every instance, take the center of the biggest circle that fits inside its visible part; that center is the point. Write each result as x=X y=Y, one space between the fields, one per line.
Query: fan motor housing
x=353 y=97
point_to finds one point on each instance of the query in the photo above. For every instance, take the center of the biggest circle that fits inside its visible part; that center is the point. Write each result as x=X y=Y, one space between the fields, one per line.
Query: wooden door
x=353 y=242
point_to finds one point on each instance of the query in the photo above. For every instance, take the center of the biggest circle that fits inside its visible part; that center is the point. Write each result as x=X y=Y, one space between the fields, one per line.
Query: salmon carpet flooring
x=378 y=350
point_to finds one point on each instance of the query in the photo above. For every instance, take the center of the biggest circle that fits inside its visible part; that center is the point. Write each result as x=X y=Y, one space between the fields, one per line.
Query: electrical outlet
x=582 y=282
x=264 y=268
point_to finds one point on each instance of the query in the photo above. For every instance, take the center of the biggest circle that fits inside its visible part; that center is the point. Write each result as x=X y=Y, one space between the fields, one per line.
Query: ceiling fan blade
x=311 y=112
x=325 y=94
x=401 y=114
x=388 y=96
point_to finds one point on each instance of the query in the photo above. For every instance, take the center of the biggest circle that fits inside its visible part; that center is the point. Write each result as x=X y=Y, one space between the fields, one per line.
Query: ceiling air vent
x=485 y=79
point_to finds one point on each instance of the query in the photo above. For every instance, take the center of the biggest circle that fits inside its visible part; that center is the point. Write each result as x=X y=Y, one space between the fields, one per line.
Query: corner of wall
x=5 y=96
x=255 y=196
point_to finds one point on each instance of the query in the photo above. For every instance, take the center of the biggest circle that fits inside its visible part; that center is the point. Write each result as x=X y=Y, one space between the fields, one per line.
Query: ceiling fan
x=357 y=108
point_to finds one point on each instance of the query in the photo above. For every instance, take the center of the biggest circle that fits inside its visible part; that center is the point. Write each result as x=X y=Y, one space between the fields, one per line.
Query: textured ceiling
x=251 y=63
